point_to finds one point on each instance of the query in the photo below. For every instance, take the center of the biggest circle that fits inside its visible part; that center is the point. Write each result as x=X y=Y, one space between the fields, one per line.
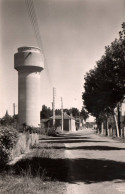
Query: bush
x=51 y=132
x=30 y=129
x=8 y=138
x=43 y=131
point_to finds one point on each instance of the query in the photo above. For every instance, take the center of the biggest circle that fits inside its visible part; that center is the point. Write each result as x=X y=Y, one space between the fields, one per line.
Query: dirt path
x=78 y=163
x=96 y=164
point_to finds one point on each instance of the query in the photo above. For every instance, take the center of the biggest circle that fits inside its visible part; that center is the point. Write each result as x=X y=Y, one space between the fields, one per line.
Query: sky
x=74 y=34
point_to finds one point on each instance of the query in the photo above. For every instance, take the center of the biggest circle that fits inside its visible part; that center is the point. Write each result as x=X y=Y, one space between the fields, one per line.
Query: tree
x=58 y=112
x=74 y=111
x=46 y=112
x=6 y=119
x=84 y=114
x=105 y=84
x=102 y=93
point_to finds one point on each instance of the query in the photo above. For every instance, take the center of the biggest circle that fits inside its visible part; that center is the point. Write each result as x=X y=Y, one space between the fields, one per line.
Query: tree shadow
x=107 y=148
x=63 y=138
x=72 y=170
x=70 y=141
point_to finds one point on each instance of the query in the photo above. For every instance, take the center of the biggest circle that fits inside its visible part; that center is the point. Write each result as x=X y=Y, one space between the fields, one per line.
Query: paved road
x=97 y=164
x=88 y=163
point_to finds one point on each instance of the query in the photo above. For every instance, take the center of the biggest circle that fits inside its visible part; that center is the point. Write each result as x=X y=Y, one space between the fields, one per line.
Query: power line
x=33 y=18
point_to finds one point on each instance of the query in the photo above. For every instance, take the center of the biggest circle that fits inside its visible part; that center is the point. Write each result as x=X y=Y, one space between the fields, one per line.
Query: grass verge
x=33 y=174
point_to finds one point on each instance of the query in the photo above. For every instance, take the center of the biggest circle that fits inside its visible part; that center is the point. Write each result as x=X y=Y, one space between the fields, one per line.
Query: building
x=68 y=122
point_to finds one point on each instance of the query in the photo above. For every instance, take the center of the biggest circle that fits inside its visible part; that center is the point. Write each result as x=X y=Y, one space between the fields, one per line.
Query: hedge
x=8 y=139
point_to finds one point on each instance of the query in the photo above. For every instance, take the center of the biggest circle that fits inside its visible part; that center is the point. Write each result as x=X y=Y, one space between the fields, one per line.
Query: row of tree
x=46 y=112
x=8 y=120
x=104 y=87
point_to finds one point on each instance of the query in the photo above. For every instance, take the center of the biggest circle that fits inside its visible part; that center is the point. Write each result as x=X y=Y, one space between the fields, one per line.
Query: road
x=97 y=164
x=88 y=163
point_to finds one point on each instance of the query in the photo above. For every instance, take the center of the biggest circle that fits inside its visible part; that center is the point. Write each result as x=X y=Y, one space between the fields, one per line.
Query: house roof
x=65 y=116
x=44 y=120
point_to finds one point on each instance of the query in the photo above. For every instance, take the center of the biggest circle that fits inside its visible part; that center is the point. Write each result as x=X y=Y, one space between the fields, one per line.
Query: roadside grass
x=29 y=175
x=10 y=184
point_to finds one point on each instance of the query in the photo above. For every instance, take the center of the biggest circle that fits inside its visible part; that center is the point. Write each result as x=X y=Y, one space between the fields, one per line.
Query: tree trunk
x=107 y=126
x=116 y=123
x=119 y=119
x=111 y=131
x=107 y=132
x=97 y=129
x=122 y=132
x=102 y=128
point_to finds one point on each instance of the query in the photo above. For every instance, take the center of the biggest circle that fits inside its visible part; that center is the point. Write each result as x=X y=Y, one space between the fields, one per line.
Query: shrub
x=30 y=129
x=51 y=132
x=43 y=131
x=8 y=138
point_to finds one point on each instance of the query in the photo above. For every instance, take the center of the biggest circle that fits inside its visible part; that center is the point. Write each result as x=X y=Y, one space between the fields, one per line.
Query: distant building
x=68 y=122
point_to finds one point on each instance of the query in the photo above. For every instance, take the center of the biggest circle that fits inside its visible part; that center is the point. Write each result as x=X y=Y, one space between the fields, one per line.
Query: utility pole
x=53 y=106
x=62 y=113
x=79 y=120
x=14 y=106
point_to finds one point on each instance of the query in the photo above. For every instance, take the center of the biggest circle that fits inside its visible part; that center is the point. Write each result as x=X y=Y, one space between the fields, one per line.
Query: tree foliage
x=104 y=85
x=84 y=114
x=8 y=139
x=8 y=120
x=46 y=112
x=74 y=111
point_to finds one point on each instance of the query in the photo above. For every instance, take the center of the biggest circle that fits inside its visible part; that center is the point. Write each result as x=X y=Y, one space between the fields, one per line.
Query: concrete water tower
x=29 y=63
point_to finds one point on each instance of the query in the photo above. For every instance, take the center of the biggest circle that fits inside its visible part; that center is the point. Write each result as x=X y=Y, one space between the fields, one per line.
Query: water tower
x=29 y=62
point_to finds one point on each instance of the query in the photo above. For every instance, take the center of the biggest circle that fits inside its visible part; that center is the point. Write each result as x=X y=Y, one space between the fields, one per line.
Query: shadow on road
x=70 y=141
x=107 y=148
x=64 y=138
x=73 y=170
x=68 y=138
